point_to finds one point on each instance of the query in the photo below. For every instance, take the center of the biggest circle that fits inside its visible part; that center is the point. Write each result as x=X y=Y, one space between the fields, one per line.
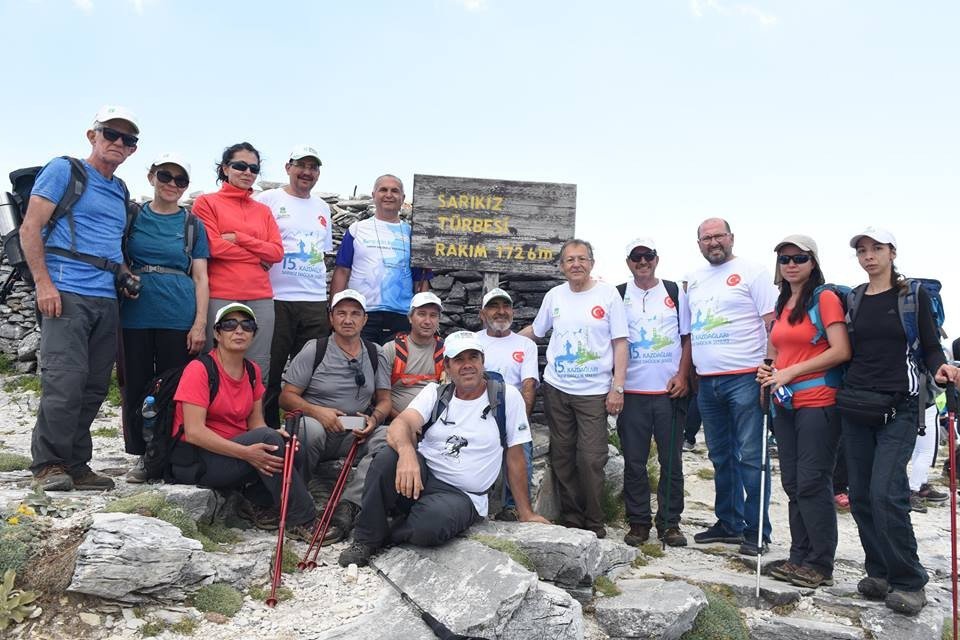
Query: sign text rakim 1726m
x=499 y=226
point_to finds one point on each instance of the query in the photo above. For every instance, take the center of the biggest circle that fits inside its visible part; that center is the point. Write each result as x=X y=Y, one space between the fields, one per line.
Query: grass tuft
x=508 y=547
x=719 y=620
x=218 y=598
x=29 y=382
x=14 y=462
x=105 y=432
x=652 y=549
x=262 y=592
x=606 y=587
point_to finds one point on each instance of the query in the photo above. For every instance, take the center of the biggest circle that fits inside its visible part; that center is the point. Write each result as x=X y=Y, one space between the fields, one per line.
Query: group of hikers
x=235 y=291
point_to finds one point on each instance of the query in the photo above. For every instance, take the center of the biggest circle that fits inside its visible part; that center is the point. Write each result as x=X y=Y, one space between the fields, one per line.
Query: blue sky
x=813 y=116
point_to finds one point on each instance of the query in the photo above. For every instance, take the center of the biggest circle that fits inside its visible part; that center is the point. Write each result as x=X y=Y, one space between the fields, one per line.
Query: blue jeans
x=733 y=426
x=508 y=500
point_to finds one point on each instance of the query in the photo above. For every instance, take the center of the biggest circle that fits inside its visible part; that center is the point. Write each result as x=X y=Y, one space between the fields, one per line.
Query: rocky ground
x=335 y=602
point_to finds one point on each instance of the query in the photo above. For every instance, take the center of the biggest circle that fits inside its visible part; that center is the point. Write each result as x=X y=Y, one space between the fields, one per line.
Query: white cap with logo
x=305 y=151
x=641 y=242
x=171 y=157
x=349 y=294
x=110 y=112
x=495 y=293
x=233 y=306
x=425 y=298
x=880 y=235
x=460 y=341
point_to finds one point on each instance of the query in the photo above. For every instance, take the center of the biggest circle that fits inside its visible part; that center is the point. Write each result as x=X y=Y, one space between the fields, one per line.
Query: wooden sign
x=491 y=225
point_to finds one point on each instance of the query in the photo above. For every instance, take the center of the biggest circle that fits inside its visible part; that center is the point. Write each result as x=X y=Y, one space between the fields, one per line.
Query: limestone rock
x=133 y=558
x=197 y=502
x=29 y=345
x=650 y=609
x=802 y=629
x=884 y=623
x=244 y=564
x=546 y=612
x=615 y=557
x=613 y=471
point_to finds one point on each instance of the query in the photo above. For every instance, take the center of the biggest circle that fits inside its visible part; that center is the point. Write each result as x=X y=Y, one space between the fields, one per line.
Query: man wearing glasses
x=653 y=404
x=76 y=296
x=344 y=385
x=729 y=306
x=299 y=281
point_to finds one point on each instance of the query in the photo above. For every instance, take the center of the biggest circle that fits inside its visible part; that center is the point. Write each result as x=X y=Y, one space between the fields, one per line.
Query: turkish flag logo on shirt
x=669 y=302
x=323 y=221
x=598 y=312
x=733 y=280
x=518 y=356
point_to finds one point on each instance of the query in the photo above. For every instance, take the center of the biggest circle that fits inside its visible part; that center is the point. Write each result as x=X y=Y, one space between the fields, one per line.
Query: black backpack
x=496 y=398
x=322 y=351
x=161 y=439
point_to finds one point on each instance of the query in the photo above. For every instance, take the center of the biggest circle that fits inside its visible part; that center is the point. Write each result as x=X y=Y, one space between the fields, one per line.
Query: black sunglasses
x=231 y=324
x=649 y=256
x=800 y=258
x=241 y=166
x=111 y=135
x=165 y=176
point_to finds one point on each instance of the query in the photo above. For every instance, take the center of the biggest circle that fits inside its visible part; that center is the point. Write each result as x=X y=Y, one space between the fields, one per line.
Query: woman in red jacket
x=244 y=242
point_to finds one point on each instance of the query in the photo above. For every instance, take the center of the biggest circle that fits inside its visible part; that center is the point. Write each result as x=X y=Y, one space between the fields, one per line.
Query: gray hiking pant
x=322 y=446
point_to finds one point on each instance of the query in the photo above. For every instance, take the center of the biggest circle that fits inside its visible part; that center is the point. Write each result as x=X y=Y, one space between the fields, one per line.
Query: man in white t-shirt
x=583 y=381
x=300 y=280
x=730 y=305
x=416 y=358
x=374 y=259
x=654 y=403
x=439 y=485
x=515 y=358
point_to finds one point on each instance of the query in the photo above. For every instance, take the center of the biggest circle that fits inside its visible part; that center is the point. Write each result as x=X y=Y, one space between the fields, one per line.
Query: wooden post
x=490 y=281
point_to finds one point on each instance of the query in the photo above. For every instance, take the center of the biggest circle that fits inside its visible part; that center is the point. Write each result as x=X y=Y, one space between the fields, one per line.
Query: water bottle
x=149 y=414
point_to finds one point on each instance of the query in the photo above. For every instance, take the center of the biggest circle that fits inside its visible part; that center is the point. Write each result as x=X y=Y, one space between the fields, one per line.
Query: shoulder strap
x=372 y=353
x=673 y=290
x=907 y=308
x=496 y=397
x=213 y=375
x=321 y=352
x=444 y=393
x=622 y=288
x=75 y=189
x=189 y=238
x=251 y=373
x=853 y=306
x=132 y=213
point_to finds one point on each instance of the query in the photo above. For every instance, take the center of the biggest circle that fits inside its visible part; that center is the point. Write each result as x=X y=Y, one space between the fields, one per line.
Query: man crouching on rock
x=434 y=477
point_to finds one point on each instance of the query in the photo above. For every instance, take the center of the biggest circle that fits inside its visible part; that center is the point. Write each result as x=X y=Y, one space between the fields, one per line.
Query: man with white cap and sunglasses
x=416 y=357
x=74 y=264
x=437 y=475
x=299 y=281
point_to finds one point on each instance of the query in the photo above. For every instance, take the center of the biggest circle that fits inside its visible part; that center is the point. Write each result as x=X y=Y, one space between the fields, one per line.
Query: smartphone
x=353 y=422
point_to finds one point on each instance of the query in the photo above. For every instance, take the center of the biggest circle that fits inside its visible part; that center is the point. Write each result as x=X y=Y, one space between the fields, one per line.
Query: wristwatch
x=619 y=389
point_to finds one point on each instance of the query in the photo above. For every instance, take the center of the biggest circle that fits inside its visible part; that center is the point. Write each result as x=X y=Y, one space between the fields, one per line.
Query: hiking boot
x=672 y=537
x=508 y=514
x=86 y=478
x=908 y=603
x=750 y=549
x=717 y=533
x=600 y=531
x=137 y=473
x=302 y=532
x=265 y=518
x=341 y=524
x=810 y=578
x=784 y=571
x=357 y=553
x=689 y=445
x=930 y=494
x=916 y=503
x=874 y=588
x=638 y=534
x=53 y=477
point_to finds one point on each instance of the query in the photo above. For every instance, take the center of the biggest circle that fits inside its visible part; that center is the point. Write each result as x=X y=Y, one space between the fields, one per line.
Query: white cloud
x=138 y=5
x=700 y=7
x=473 y=5
x=84 y=5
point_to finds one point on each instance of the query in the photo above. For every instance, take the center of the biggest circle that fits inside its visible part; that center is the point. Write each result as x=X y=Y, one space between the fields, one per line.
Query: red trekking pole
x=952 y=439
x=289 y=450
x=318 y=534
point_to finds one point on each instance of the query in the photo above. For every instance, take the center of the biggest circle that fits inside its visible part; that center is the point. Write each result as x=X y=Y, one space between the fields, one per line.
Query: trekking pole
x=666 y=508
x=952 y=404
x=439 y=629
x=765 y=406
x=289 y=450
x=321 y=530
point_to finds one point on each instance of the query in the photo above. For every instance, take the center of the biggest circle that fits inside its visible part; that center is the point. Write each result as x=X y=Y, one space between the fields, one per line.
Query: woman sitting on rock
x=231 y=446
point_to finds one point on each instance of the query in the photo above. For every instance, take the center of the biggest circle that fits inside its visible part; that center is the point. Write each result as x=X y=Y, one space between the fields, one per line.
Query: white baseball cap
x=495 y=293
x=349 y=294
x=640 y=242
x=460 y=341
x=233 y=306
x=171 y=157
x=305 y=151
x=876 y=233
x=114 y=112
x=424 y=298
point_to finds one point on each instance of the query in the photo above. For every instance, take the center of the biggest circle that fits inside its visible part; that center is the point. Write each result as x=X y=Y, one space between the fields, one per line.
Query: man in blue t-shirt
x=77 y=300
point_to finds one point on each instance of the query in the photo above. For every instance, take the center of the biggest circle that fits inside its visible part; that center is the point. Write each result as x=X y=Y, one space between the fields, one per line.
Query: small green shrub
x=218 y=598
x=16 y=605
x=155 y=505
x=652 y=549
x=113 y=392
x=614 y=510
x=105 y=432
x=508 y=547
x=639 y=561
x=14 y=462
x=18 y=541
x=218 y=533
x=23 y=383
x=13 y=553
x=290 y=560
x=719 y=620
x=606 y=586
x=6 y=364
x=152 y=629
x=614 y=438
x=186 y=626
x=947 y=633
x=262 y=592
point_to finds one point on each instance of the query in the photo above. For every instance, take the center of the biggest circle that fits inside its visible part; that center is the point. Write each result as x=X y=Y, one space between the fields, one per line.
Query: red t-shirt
x=792 y=342
x=227 y=416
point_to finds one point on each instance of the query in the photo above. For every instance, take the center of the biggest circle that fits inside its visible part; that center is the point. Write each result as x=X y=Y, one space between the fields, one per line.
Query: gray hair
x=576 y=242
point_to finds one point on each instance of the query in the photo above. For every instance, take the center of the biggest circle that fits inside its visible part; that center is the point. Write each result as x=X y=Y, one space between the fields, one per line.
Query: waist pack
x=869 y=408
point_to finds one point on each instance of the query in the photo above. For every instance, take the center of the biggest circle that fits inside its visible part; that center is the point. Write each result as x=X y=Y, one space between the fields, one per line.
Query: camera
x=127 y=283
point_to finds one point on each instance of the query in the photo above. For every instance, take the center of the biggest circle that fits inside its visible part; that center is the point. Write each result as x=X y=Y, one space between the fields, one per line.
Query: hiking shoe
x=916 y=503
x=842 y=501
x=810 y=578
x=265 y=518
x=784 y=571
x=600 y=531
x=86 y=478
x=717 y=533
x=53 y=477
x=341 y=524
x=357 y=553
x=908 y=603
x=930 y=494
x=672 y=537
x=874 y=588
x=750 y=549
x=638 y=534
x=137 y=473
x=689 y=445
x=302 y=532
x=508 y=514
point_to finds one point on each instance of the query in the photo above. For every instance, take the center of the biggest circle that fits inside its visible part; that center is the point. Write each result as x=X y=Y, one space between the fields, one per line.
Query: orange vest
x=398 y=373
